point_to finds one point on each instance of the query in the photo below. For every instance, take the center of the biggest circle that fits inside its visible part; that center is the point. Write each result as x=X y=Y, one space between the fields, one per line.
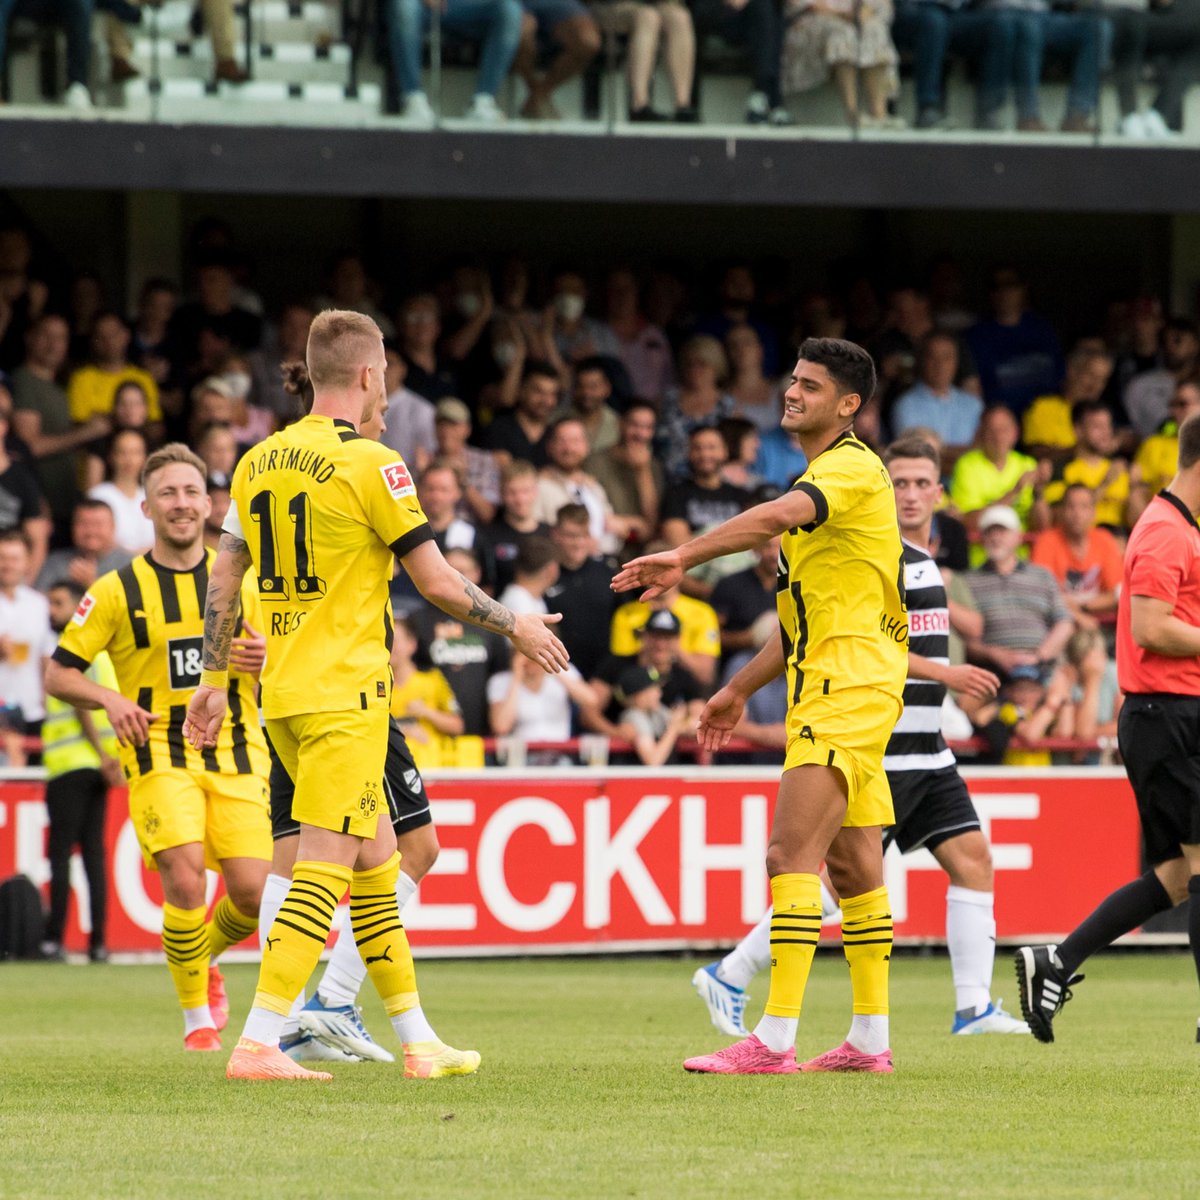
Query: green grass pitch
x=581 y=1094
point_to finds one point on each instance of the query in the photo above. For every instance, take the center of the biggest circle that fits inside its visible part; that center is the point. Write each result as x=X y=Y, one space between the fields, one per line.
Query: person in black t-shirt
x=701 y=500
x=745 y=603
x=515 y=522
x=582 y=593
x=467 y=655
x=521 y=434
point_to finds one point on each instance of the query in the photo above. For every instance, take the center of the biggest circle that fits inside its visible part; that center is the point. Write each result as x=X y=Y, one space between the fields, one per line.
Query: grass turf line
x=581 y=1094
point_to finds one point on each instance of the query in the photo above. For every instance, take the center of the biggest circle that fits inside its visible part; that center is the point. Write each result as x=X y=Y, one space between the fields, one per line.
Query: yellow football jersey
x=699 y=629
x=840 y=592
x=323 y=510
x=150 y=620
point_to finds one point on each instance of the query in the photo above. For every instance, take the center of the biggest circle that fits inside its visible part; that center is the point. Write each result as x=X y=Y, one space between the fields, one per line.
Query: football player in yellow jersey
x=844 y=648
x=188 y=809
x=319 y=512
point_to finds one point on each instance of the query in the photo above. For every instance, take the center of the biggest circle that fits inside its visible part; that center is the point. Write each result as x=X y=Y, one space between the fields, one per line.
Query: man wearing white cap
x=1025 y=620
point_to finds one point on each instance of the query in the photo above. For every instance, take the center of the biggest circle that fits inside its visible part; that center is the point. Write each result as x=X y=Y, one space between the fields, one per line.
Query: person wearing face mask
x=431 y=373
x=256 y=421
x=576 y=335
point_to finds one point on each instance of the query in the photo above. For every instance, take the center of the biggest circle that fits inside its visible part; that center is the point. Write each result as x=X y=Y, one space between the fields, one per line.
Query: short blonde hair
x=168 y=455
x=340 y=344
x=706 y=349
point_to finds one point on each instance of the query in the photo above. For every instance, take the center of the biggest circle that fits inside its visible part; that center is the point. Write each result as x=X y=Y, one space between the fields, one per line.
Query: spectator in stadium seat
x=1026 y=622
x=1085 y=560
x=646 y=721
x=631 y=476
x=996 y=473
x=700 y=501
x=745 y=603
x=534 y=572
x=1168 y=33
x=152 y=346
x=520 y=435
x=756 y=25
x=756 y=393
x=440 y=492
x=218 y=498
x=576 y=335
x=1016 y=352
x=849 y=41
x=699 y=399
x=657 y=648
x=287 y=342
x=934 y=402
x=93 y=550
x=648 y=24
x=1080 y=35
x=21 y=505
x=26 y=643
x=569 y=28
x=349 y=286
x=564 y=481
x=92 y=389
x=742 y=444
x=516 y=521
x=1048 y=426
x=1158 y=456
x=1148 y=394
x=75 y=17
x=641 y=345
x=409 y=421
x=476 y=468
x=986 y=36
x=124 y=494
x=42 y=416
x=217 y=309
x=495 y=23
x=1095 y=464
x=430 y=373
x=699 y=630
x=529 y=705
x=581 y=593
x=423 y=703
x=737 y=304
x=466 y=654
x=591 y=397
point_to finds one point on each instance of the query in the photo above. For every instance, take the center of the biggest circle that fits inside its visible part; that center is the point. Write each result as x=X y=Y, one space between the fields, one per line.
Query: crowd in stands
x=557 y=424
x=791 y=47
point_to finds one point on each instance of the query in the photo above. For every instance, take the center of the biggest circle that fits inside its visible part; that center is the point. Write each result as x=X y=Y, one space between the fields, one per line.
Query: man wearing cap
x=659 y=653
x=699 y=630
x=1025 y=620
x=477 y=470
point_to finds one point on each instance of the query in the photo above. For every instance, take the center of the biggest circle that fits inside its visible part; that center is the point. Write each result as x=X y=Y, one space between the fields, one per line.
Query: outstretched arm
x=221 y=608
x=453 y=593
x=658 y=573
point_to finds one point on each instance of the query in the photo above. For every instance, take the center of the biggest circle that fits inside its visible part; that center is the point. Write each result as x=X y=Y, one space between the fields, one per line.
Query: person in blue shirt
x=933 y=402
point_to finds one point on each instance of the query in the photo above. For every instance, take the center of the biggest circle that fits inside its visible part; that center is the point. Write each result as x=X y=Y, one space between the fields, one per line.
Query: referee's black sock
x=1125 y=909
x=1194 y=919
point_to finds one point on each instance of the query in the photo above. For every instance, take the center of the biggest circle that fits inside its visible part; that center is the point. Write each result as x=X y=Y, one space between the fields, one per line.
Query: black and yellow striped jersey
x=322 y=511
x=840 y=592
x=150 y=620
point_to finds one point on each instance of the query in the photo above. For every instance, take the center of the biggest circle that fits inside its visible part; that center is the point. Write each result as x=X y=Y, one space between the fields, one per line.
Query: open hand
x=202 y=725
x=719 y=718
x=657 y=573
x=532 y=636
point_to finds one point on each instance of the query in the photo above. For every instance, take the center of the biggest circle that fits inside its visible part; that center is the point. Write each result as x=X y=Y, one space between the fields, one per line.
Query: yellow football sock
x=185 y=941
x=228 y=926
x=297 y=937
x=380 y=938
x=867 y=940
x=795 y=928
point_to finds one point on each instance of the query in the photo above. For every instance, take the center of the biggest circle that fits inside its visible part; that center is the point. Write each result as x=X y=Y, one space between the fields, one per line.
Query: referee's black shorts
x=931 y=807
x=1159 y=737
x=403 y=788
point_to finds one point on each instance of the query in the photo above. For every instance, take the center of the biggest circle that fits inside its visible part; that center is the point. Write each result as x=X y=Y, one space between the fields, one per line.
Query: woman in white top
x=532 y=706
x=123 y=492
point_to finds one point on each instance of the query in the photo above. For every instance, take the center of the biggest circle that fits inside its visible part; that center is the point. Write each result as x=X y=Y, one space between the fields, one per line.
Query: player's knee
x=417 y=862
x=245 y=895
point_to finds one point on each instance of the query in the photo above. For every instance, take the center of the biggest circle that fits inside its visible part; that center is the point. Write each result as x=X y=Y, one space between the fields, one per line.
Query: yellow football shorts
x=848 y=730
x=229 y=814
x=336 y=762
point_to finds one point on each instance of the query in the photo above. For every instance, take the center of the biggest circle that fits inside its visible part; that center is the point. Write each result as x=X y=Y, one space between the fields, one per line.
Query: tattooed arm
x=450 y=591
x=222 y=606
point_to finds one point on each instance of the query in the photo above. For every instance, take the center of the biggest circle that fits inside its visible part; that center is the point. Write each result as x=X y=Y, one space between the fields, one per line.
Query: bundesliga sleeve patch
x=399 y=481
x=84 y=610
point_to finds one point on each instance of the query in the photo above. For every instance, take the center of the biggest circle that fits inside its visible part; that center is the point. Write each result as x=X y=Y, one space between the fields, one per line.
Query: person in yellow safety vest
x=79 y=751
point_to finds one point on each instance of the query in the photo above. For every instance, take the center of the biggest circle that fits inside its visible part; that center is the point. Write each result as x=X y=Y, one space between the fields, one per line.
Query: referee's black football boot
x=1044 y=988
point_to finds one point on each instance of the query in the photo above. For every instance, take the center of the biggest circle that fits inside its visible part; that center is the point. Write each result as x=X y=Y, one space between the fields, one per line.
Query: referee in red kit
x=1158 y=669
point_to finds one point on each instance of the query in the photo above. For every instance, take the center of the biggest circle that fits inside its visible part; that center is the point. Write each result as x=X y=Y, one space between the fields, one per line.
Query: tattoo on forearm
x=485 y=611
x=222 y=605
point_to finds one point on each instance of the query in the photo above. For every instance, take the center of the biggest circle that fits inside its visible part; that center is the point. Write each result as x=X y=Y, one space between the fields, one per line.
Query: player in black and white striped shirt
x=933 y=807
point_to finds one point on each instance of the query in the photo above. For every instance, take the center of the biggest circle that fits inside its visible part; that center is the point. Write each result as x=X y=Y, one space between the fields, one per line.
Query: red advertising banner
x=544 y=861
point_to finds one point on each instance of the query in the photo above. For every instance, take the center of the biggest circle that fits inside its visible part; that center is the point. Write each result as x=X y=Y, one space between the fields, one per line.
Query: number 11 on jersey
x=272 y=583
